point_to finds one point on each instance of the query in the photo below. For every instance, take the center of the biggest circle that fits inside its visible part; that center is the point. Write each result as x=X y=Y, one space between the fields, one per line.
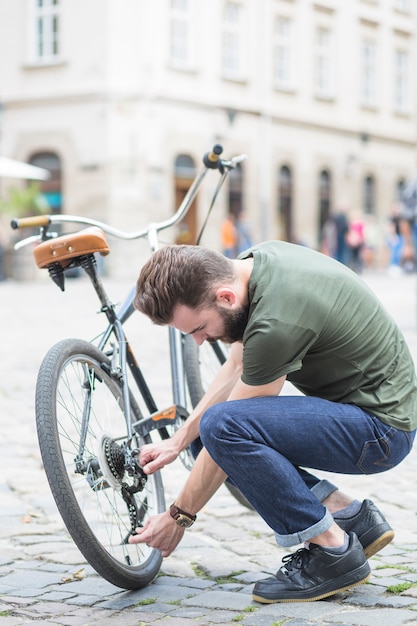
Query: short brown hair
x=180 y=274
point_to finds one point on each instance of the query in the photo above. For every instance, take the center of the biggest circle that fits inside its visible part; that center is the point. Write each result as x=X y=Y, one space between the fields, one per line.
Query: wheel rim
x=93 y=485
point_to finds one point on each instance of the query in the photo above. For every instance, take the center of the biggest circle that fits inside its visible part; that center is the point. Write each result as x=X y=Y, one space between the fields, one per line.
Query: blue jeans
x=263 y=444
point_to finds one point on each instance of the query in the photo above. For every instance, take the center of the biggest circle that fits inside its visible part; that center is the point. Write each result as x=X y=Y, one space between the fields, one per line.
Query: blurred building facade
x=121 y=98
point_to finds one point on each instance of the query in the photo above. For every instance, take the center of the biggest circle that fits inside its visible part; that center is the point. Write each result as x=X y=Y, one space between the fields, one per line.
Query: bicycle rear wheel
x=201 y=365
x=82 y=436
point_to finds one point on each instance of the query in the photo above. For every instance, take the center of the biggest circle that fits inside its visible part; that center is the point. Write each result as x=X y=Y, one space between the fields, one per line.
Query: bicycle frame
x=124 y=358
x=122 y=354
x=95 y=410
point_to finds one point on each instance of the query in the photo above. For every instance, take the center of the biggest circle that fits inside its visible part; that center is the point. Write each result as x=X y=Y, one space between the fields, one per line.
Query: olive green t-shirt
x=315 y=321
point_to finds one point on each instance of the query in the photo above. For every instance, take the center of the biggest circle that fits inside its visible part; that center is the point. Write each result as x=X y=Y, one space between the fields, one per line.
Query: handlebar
x=211 y=160
x=31 y=222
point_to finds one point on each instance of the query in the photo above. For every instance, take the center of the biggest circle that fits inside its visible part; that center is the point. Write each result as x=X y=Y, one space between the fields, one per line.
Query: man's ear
x=225 y=296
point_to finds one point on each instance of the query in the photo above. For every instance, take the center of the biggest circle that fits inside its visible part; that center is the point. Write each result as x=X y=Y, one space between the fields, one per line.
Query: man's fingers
x=152 y=466
x=145 y=456
x=140 y=536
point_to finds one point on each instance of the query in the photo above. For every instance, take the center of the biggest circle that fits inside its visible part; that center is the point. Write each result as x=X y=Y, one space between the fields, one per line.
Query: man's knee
x=211 y=424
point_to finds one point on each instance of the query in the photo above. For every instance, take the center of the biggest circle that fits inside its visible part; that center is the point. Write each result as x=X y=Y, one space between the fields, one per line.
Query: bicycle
x=90 y=423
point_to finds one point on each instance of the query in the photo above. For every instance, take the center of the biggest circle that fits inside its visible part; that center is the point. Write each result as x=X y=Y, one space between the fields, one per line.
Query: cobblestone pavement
x=208 y=579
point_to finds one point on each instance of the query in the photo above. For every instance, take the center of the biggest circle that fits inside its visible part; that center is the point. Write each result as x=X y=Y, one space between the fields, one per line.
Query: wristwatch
x=183 y=519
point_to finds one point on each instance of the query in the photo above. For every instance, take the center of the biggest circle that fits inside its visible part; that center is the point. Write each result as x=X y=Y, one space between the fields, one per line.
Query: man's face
x=211 y=324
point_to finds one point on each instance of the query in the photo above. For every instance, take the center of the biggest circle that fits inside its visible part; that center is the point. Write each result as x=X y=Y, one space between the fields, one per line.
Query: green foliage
x=146 y=601
x=401 y=587
x=24 y=201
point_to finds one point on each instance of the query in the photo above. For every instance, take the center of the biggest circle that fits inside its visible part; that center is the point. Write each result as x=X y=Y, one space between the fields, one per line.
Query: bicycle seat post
x=89 y=265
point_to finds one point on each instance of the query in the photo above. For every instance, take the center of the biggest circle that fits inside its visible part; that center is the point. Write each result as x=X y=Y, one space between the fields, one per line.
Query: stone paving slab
x=208 y=579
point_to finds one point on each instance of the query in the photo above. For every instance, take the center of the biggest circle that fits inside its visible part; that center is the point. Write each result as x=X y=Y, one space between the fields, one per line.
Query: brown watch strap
x=175 y=511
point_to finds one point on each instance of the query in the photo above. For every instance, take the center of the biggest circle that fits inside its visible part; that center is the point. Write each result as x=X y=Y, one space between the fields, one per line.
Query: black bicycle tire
x=192 y=366
x=120 y=574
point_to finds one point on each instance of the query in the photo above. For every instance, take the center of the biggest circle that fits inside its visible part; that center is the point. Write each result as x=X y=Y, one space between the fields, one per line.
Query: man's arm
x=205 y=478
x=241 y=390
x=154 y=456
x=161 y=531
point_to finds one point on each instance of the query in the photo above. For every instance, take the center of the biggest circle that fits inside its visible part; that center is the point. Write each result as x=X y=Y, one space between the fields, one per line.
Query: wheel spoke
x=82 y=413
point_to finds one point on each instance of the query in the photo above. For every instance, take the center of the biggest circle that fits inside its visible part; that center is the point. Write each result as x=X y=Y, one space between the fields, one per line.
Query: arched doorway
x=51 y=189
x=399 y=188
x=236 y=228
x=184 y=173
x=369 y=195
x=324 y=200
x=285 y=203
x=236 y=191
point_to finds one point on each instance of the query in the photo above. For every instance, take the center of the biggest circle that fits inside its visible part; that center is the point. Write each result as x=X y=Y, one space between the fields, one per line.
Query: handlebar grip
x=30 y=222
x=211 y=159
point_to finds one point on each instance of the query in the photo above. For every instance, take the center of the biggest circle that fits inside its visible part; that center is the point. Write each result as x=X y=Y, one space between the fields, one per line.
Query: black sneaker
x=370 y=526
x=314 y=573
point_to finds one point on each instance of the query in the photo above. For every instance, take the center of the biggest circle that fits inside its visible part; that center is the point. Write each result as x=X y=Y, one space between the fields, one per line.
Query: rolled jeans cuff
x=323 y=489
x=293 y=539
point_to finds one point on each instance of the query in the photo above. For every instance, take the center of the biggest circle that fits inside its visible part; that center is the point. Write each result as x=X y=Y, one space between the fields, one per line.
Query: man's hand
x=160 y=532
x=154 y=456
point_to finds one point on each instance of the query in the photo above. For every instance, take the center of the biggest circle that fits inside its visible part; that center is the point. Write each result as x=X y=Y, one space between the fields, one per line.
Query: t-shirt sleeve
x=273 y=350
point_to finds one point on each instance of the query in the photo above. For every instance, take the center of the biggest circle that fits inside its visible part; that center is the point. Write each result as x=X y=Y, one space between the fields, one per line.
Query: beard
x=234 y=322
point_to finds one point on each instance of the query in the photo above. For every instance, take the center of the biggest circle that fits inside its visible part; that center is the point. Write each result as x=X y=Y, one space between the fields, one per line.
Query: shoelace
x=294 y=560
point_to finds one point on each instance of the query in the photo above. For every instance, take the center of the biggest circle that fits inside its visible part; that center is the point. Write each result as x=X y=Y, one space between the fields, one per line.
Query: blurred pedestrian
x=408 y=224
x=394 y=239
x=229 y=237
x=355 y=239
x=333 y=236
x=3 y=248
x=342 y=226
x=329 y=238
x=244 y=238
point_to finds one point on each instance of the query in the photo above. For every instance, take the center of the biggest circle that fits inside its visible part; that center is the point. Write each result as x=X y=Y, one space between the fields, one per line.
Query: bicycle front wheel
x=201 y=365
x=83 y=441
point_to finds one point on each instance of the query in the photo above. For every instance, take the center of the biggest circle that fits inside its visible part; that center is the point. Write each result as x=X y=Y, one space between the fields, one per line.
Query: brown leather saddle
x=64 y=249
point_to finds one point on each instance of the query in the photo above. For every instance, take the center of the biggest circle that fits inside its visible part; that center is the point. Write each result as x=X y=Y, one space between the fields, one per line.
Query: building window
x=369 y=200
x=369 y=73
x=181 y=34
x=324 y=64
x=401 y=81
x=45 y=31
x=285 y=203
x=283 y=53
x=402 y=5
x=232 y=58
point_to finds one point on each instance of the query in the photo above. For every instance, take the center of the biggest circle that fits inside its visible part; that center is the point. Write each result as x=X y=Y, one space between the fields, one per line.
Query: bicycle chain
x=131 y=507
x=115 y=458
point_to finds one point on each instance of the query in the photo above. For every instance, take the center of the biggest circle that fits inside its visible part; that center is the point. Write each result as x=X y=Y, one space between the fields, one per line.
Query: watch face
x=183 y=521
